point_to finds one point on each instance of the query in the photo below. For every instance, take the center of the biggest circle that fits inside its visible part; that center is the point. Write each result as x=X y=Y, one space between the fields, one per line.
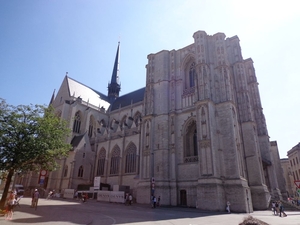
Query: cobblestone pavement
x=62 y=211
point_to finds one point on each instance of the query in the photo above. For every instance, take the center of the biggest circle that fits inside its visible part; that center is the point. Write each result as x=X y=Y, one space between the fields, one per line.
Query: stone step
x=289 y=206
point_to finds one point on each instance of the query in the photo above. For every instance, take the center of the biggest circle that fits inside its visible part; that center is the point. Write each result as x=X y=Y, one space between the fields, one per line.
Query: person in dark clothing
x=154 y=202
x=281 y=210
x=277 y=208
x=130 y=199
x=84 y=197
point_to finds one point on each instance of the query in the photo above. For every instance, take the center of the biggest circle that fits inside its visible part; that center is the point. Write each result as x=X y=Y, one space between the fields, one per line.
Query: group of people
x=277 y=209
x=128 y=199
x=81 y=196
x=13 y=200
x=84 y=197
x=155 y=202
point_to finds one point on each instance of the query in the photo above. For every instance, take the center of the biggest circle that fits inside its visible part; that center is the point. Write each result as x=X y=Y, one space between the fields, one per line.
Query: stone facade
x=292 y=170
x=288 y=177
x=197 y=137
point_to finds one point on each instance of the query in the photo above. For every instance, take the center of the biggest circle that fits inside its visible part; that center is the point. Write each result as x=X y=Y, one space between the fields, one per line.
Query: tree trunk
x=5 y=191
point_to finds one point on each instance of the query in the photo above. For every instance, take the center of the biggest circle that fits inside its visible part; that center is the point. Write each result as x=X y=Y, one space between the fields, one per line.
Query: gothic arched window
x=190 y=142
x=130 y=159
x=137 y=118
x=77 y=123
x=101 y=162
x=115 y=161
x=80 y=171
x=66 y=171
x=192 y=75
x=91 y=126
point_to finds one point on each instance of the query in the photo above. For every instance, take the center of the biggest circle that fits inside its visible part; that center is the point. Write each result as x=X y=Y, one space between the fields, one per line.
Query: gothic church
x=195 y=134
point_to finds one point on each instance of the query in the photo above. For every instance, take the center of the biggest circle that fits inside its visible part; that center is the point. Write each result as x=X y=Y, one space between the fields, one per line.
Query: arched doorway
x=183 y=201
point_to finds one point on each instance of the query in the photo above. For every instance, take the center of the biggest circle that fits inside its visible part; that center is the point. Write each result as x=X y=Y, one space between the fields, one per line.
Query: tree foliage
x=31 y=138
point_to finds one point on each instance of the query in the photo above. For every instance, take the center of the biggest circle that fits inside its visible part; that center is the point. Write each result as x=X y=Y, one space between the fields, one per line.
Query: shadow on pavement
x=60 y=211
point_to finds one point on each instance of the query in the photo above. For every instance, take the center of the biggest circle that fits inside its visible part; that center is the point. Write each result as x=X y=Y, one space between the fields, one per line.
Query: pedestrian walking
x=158 y=201
x=281 y=210
x=154 y=202
x=126 y=199
x=277 y=207
x=274 y=208
x=11 y=201
x=35 y=199
x=76 y=195
x=151 y=199
x=130 y=199
x=228 y=207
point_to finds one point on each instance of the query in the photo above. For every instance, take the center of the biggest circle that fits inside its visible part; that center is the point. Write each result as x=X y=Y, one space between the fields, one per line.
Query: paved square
x=62 y=211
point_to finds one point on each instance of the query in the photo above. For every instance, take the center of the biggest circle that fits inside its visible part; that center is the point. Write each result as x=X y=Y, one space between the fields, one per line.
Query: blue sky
x=42 y=40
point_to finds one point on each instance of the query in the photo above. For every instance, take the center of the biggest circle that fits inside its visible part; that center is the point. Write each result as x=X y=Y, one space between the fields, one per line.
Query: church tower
x=114 y=87
x=195 y=134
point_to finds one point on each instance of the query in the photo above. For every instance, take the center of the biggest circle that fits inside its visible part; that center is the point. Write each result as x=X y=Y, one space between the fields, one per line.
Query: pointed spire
x=115 y=74
x=52 y=98
x=114 y=87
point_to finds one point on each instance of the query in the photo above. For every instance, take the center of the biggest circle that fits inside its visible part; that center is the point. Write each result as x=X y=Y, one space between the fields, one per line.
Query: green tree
x=31 y=138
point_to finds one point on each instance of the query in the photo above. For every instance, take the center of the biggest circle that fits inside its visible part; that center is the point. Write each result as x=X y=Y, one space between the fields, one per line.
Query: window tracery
x=115 y=161
x=101 y=162
x=130 y=159
x=77 y=123
x=66 y=171
x=192 y=75
x=80 y=171
x=191 y=146
x=91 y=126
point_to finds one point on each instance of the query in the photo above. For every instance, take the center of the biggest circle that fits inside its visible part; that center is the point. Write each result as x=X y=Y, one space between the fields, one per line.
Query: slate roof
x=128 y=99
x=102 y=96
x=87 y=94
x=76 y=140
x=96 y=98
x=297 y=146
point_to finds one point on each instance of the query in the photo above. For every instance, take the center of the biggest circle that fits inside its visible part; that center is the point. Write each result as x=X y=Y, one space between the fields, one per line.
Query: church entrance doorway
x=183 y=198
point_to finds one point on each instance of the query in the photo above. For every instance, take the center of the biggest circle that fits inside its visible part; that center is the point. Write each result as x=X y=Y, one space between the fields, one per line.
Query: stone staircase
x=289 y=206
